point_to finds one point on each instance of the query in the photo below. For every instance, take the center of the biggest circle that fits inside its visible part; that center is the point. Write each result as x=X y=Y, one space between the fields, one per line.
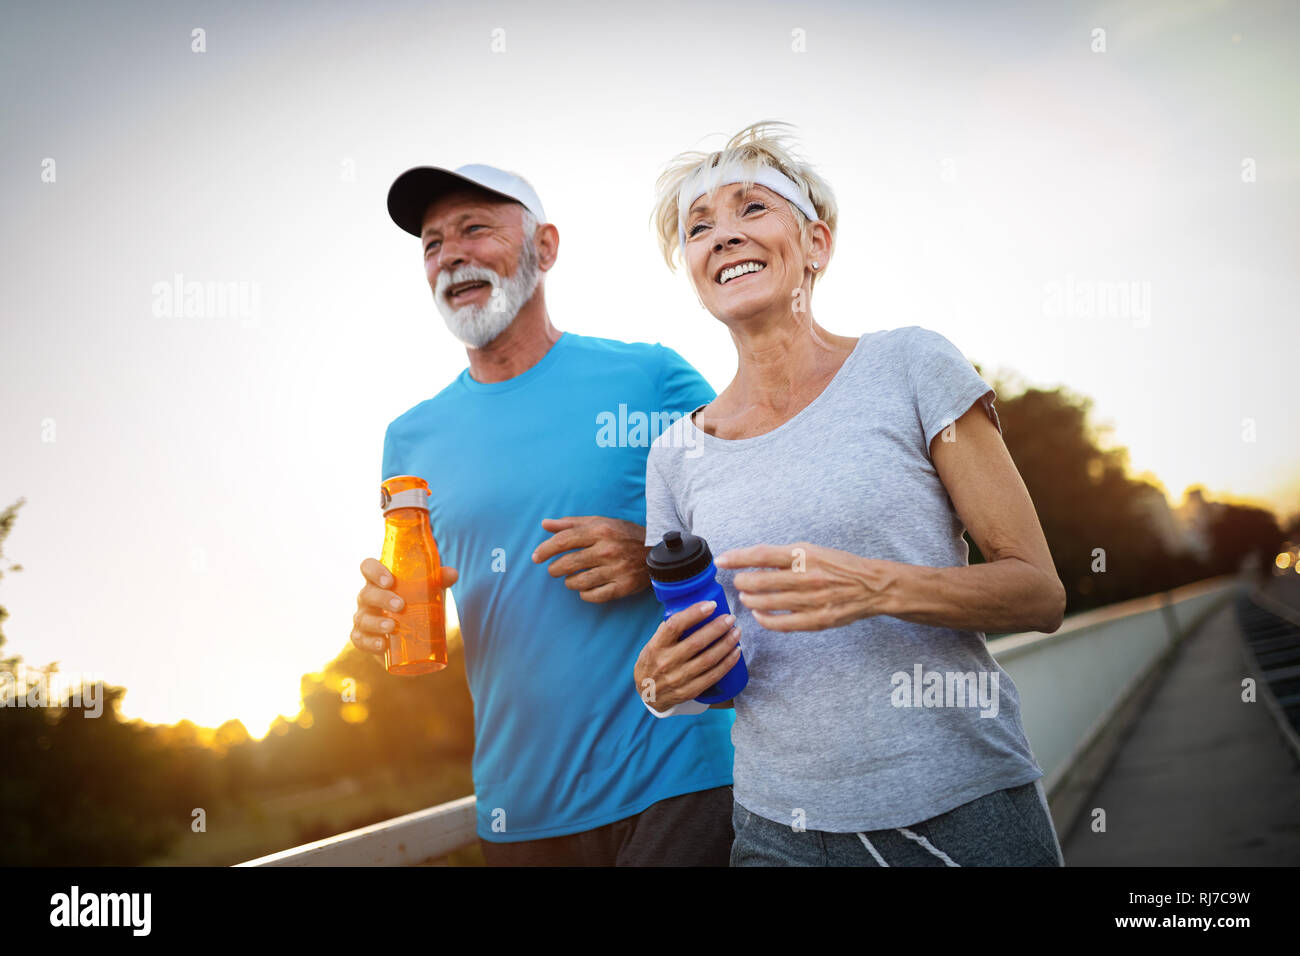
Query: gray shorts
x=693 y=829
x=1011 y=827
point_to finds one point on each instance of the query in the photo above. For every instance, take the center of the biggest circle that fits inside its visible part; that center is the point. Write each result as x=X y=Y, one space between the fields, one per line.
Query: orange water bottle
x=418 y=642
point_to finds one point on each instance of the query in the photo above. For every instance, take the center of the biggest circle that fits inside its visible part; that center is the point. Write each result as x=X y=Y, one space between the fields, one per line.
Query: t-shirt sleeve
x=660 y=507
x=945 y=383
x=391 y=463
x=681 y=387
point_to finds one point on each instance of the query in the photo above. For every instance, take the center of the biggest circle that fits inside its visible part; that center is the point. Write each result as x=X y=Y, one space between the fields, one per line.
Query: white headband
x=735 y=172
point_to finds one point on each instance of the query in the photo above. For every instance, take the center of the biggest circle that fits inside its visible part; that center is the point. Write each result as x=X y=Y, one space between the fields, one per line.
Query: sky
x=201 y=488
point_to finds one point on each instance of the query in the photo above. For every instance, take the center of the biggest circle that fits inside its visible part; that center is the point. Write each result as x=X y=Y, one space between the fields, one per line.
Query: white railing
x=1071 y=685
x=1073 y=681
x=409 y=840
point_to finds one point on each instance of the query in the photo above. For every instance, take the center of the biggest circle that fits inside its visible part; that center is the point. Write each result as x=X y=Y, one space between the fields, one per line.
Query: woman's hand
x=805 y=587
x=670 y=670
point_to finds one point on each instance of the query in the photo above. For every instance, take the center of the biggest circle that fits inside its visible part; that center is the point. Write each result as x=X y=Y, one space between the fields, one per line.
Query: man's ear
x=547 y=239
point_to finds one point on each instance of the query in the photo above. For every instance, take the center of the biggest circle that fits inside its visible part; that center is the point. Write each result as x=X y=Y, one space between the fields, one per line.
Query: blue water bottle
x=682 y=574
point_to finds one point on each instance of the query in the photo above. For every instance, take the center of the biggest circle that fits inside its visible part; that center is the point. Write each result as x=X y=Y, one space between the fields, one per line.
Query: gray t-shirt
x=880 y=723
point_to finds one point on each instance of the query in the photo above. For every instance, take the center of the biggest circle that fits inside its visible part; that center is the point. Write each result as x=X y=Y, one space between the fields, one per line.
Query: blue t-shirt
x=563 y=742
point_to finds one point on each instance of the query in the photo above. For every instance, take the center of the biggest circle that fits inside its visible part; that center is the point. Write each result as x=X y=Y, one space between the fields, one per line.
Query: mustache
x=467 y=274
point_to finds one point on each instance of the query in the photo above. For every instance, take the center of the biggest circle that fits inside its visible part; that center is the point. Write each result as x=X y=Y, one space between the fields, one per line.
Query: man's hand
x=371 y=625
x=606 y=558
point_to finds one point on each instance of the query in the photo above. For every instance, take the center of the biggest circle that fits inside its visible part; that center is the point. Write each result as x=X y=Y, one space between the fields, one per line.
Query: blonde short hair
x=760 y=144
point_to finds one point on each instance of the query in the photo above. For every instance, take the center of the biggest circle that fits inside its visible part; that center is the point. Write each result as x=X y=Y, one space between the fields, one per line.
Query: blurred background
x=209 y=320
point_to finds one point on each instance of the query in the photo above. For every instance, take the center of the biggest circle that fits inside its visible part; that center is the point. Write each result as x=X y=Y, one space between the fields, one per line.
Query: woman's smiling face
x=744 y=250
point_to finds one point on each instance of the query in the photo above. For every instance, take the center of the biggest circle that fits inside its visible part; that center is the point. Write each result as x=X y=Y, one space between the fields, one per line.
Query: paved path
x=1203 y=779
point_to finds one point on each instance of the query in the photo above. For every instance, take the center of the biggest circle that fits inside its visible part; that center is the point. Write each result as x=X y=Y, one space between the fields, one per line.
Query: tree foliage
x=1109 y=532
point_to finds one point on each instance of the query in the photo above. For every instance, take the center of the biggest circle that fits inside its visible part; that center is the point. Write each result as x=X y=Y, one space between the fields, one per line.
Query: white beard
x=478 y=325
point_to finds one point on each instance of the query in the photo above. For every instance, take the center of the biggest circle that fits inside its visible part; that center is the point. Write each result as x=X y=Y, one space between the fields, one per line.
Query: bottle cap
x=678 y=557
x=410 y=498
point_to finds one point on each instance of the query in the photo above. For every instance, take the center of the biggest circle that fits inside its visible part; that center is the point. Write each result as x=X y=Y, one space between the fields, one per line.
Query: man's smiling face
x=480 y=265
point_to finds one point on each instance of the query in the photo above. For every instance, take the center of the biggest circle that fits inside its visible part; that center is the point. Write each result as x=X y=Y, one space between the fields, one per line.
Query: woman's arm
x=1016 y=590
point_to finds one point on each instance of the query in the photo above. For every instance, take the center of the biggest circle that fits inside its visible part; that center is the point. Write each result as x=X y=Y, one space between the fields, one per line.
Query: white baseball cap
x=411 y=192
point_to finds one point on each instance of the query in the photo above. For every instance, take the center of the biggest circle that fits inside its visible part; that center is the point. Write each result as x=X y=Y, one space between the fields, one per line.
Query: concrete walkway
x=1202 y=779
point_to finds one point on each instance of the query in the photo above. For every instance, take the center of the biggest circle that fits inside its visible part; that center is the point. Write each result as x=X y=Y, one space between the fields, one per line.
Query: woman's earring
x=816 y=265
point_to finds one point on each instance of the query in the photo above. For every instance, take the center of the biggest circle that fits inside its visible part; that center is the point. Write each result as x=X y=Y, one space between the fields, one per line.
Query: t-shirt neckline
x=740 y=444
x=524 y=377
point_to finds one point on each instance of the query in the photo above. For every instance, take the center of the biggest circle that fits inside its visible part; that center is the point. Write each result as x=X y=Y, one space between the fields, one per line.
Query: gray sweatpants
x=1011 y=827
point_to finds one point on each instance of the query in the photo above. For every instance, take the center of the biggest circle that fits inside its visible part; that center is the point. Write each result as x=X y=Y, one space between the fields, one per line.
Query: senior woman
x=833 y=478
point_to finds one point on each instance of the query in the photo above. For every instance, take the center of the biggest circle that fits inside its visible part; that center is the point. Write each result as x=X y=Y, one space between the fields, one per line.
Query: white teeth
x=739 y=270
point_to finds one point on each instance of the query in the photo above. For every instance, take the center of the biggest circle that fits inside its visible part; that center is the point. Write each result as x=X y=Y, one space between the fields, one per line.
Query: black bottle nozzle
x=678 y=557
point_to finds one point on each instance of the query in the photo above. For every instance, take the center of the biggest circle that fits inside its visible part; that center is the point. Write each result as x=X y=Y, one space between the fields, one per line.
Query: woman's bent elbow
x=1053 y=604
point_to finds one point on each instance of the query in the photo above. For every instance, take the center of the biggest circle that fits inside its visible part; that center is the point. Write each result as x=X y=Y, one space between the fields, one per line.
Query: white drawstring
x=867 y=843
x=947 y=860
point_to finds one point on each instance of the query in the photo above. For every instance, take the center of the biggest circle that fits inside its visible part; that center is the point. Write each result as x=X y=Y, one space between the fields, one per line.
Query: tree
x=7 y=519
x=1099 y=523
x=77 y=789
x=1238 y=531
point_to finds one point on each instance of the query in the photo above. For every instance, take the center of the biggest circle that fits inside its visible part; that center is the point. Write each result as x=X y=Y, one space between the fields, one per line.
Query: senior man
x=569 y=767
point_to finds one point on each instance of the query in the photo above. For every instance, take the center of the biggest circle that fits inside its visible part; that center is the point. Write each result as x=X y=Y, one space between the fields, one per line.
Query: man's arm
x=605 y=559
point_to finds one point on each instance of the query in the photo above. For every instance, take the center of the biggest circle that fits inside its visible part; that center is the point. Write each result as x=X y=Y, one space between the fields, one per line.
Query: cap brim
x=411 y=193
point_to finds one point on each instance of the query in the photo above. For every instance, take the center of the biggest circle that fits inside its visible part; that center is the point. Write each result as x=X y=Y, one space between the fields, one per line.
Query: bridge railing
x=1072 y=684
x=420 y=837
